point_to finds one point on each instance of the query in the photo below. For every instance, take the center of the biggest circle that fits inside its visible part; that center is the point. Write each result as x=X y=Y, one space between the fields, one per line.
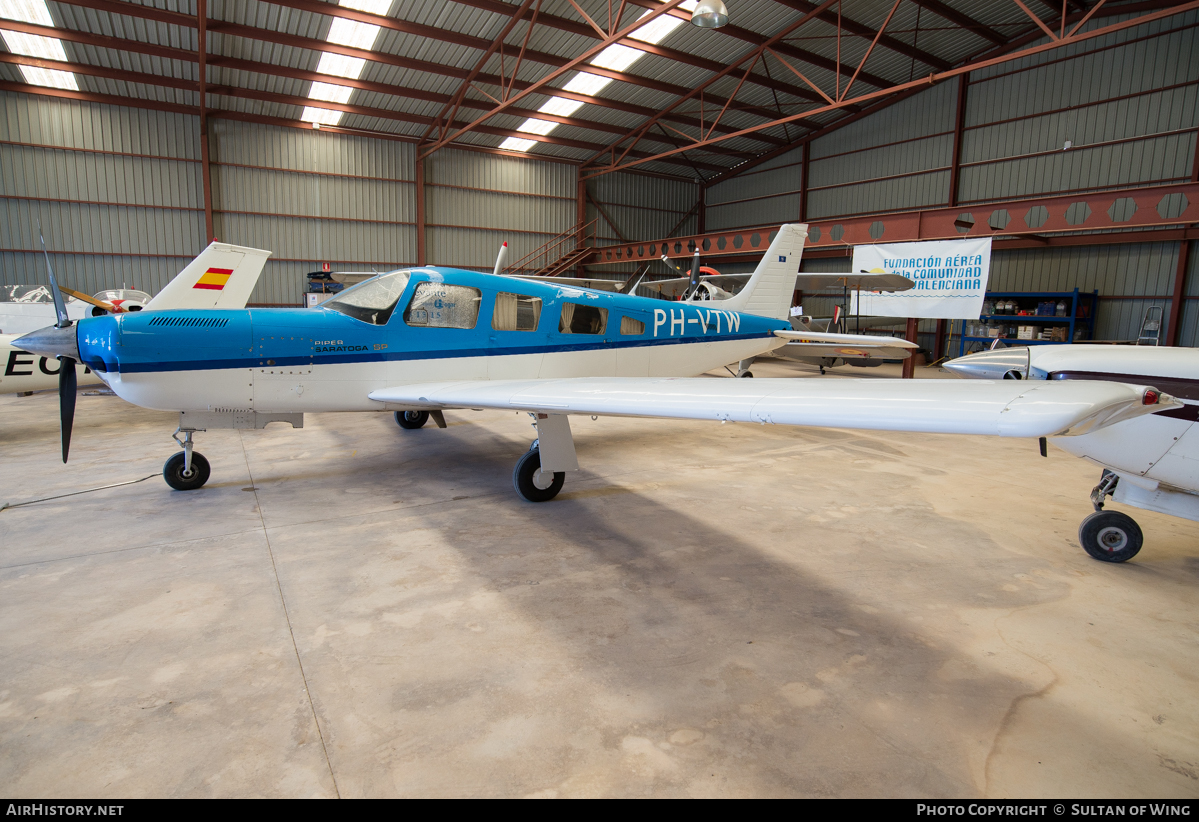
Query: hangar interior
x=712 y=611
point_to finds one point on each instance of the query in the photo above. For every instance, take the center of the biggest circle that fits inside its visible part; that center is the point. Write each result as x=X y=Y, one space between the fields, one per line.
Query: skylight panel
x=560 y=106
x=517 y=144
x=340 y=66
x=349 y=33
x=32 y=45
x=330 y=93
x=586 y=83
x=51 y=78
x=27 y=11
x=534 y=126
x=379 y=7
x=322 y=116
x=615 y=57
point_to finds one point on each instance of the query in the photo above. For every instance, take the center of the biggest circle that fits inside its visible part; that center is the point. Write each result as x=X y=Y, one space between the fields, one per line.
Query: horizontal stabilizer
x=1006 y=408
x=844 y=339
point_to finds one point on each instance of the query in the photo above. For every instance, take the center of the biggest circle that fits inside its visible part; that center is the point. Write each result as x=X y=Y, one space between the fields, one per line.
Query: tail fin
x=768 y=292
x=221 y=277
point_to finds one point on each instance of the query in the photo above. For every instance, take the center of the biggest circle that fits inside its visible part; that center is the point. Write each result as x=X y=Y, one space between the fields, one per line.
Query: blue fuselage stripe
x=407 y=356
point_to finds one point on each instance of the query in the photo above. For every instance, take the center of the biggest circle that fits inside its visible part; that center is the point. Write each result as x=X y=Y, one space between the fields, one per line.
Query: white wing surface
x=223 y=276
x=1006 y=408
x=863 y=340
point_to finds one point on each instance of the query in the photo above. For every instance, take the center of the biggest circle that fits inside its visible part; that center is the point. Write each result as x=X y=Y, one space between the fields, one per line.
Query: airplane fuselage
x=298 y=360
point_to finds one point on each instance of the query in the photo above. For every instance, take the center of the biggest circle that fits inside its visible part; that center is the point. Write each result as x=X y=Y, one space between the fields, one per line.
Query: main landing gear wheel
x=534 y=484
x=748 y=374
x=179 y=479
x=1110 y=536
x=411 y=420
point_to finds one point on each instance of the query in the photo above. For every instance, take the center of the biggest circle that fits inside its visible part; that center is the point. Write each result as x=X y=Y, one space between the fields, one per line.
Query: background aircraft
x=234 y=269
x=419 y=341
x=1151 y=462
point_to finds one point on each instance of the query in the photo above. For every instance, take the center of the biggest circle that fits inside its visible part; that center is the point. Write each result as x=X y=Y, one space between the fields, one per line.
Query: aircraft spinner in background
x=423 y=340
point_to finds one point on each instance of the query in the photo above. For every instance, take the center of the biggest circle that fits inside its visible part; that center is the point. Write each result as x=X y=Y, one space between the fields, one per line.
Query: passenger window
x=630 y=326
x=582 y=319
x=516 y=312
x=440 y=305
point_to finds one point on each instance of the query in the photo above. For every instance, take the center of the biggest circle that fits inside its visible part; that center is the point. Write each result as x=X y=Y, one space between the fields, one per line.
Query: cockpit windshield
x=372 y=301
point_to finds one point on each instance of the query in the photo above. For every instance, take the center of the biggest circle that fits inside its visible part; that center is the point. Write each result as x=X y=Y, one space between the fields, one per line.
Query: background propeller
x=68 y=381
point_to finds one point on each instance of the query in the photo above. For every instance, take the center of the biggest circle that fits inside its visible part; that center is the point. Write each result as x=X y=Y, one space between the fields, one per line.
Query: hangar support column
x=1178 y=297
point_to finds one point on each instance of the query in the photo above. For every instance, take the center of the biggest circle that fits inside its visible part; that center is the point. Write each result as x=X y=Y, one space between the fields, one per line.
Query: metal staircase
x=558 y=255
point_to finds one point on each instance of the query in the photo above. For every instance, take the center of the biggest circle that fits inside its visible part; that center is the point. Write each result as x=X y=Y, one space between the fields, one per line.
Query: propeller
x=693 y=286
x=79 y=295
x=68 y=381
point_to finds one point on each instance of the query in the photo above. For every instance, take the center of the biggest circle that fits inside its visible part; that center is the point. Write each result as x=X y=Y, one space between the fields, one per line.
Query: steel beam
x=939 y=224
x=581 y=60
x=975 y=65
x=964 y=20
x=959 y=124
x=862 y=30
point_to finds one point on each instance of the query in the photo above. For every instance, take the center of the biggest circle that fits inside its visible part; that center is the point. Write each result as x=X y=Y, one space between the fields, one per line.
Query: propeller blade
x=67 y=384
x=695 y=271
x=60 y=305
x=79 y=295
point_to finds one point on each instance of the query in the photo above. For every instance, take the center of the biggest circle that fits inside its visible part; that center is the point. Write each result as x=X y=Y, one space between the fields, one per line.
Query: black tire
x=172 y=472
x=1110 y=536
x=527 y=475
x=411 y=420
x=749 y=374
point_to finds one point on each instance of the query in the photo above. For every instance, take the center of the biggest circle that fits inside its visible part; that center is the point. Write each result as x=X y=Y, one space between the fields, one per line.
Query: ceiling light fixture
x=710 y=14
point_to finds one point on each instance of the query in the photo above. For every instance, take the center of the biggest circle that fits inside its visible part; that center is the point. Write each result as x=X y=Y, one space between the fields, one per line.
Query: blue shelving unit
x=1083 y=303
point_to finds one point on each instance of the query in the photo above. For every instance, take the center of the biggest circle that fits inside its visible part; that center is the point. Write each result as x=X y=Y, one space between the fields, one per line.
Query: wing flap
x=1008 y=408
x=844 y=339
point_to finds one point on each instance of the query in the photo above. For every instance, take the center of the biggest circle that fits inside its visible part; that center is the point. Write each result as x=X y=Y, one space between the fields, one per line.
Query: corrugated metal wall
x=311 y=197
x=1018 y=117
x=474 y=202
x=117 y=192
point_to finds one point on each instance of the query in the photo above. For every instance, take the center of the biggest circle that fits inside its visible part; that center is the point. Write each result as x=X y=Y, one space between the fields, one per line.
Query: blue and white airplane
x=422 y=340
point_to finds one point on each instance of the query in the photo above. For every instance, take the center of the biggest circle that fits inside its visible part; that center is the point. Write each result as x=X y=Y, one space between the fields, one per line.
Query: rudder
x=222 y=276
x=772 y=285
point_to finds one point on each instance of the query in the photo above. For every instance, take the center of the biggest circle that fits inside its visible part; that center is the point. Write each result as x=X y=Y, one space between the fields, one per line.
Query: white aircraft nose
x=1000 y=364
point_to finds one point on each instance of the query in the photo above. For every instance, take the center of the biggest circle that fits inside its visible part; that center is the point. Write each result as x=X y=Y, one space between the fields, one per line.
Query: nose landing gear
x=1109 y=536
x=186 y=470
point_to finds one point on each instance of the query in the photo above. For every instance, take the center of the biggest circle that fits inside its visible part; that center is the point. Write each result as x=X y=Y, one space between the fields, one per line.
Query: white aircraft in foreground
x=222 y=276
x=422 y=340
x=1151 y=462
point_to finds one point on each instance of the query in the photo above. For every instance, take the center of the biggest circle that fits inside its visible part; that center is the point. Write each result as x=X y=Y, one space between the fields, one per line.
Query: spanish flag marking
x=214 y=279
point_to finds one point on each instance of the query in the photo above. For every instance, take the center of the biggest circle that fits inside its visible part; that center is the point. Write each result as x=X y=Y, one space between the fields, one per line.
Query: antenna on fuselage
x=501 y=258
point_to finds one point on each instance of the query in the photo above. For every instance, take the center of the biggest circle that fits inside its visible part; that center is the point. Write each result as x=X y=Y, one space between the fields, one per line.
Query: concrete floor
x=706 y=610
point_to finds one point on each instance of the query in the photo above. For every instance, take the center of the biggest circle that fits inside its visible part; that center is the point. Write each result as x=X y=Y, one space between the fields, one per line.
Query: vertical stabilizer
x=223 y=276
x=769 y=291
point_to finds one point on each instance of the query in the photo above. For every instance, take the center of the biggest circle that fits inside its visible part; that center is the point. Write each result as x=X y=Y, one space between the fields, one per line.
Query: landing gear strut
x=186 y=470
x=1109 y=536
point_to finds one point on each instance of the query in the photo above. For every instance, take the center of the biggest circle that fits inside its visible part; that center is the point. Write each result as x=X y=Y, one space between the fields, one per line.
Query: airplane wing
x=1006 y=408
x=838 y=350
x=223 y=276
x=844 y=339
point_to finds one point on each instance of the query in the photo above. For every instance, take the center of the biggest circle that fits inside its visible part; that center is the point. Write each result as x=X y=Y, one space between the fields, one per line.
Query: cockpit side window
x=578 y=318
x=441 y=305
x=372 y=301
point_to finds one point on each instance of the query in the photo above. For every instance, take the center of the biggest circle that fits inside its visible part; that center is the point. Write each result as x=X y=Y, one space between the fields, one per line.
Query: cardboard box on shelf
x=1026 y=332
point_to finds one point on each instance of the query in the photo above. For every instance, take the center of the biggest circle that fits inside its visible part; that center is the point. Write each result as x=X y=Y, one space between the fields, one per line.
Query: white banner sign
x=950 y=276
